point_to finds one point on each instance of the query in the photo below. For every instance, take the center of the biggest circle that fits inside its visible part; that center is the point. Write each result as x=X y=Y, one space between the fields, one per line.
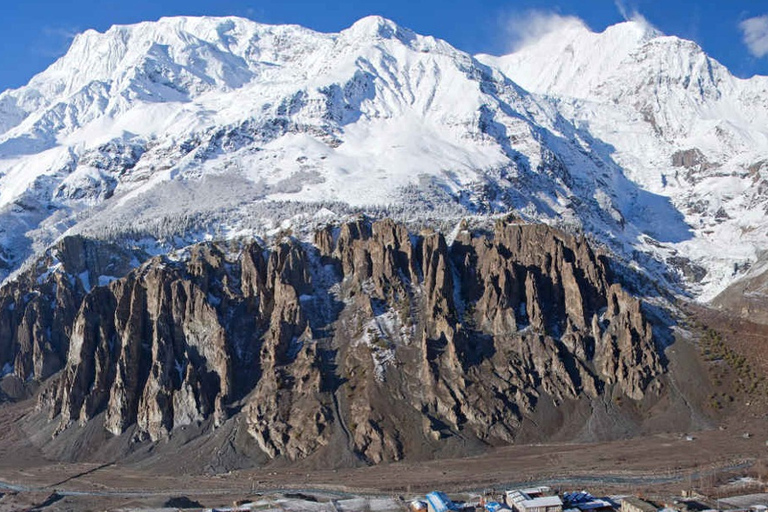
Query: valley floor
x=735 y=445
x=660 y=465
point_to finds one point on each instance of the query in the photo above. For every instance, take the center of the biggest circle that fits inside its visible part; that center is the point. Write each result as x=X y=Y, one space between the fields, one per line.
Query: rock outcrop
x=372 y=335
x=38 y=308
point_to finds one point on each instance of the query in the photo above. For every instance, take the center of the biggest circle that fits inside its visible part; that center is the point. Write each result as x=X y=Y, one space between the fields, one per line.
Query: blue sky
x=33 y=33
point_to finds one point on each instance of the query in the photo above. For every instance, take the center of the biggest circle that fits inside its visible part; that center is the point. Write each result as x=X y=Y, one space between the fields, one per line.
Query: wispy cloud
x=54 y=41
x=622 y=8
x=67 y=33
x=755 y=35
x=631 y=13
x=256 y=13
x=523 y=29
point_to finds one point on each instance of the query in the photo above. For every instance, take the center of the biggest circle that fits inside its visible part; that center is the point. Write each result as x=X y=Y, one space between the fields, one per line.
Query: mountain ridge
x=311 y=121
x=197 y=241
x=371 y=340
x=290 y=115
x=659 y=101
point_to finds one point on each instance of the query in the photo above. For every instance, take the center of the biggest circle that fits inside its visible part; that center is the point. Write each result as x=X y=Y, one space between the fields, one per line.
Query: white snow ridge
x=190 y=128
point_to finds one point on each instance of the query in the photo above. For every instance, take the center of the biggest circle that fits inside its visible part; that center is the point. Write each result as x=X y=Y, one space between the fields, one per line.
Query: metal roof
x=517 y=496
x=536 y=490
x=440 y=501
x=545 y=501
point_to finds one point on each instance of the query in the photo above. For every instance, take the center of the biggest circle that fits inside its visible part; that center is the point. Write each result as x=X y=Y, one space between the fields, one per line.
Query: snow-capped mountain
x=216 y=127
x=676 y=121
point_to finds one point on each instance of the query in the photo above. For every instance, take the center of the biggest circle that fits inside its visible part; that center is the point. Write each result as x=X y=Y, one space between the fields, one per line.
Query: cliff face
x=38 y=309
x=371 y=334
x=470 y=336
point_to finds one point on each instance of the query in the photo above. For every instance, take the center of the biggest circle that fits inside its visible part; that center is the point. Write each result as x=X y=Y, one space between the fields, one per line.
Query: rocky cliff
x=370 y=334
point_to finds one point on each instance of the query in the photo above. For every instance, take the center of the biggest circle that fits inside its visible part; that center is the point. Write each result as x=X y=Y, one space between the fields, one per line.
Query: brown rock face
x=287 y=413
x=38 y=309
x=149 y=350
x=498 y=321
x=374 y=336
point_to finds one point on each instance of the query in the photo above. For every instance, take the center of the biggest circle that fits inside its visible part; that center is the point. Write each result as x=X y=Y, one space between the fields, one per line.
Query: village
x=544 y=499
x=529 y=499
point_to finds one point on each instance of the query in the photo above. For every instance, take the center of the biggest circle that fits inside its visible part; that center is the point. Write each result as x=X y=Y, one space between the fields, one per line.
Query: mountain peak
x=374 y=115
x=571 y=60
x=373 y=23
x=203 y=27
x=638 y=29
x=379 y=27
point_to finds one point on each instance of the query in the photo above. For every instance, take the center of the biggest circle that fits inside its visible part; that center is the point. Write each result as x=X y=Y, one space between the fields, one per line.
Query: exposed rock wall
x=38 y=308
x=372 y=334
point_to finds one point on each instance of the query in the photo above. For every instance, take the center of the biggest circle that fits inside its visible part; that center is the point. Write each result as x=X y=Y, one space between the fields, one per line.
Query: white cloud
x=622 y=9
x=526 y=28
x=755 y=31
x=54 y=41
x=631 y=14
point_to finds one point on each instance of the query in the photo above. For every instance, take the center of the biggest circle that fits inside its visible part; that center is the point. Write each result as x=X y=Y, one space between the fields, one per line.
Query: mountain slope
x=191 y=128
x=181 y=244
x=371 y=341
x=677 y=122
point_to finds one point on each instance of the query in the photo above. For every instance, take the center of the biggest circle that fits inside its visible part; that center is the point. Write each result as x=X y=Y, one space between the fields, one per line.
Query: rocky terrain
x=371 y=335
x=257 y=243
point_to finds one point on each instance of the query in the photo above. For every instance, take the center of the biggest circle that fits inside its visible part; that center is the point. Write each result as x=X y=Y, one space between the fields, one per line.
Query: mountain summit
x=572 y=60
x=186 y=128
x=213 y=120
x=679 y=125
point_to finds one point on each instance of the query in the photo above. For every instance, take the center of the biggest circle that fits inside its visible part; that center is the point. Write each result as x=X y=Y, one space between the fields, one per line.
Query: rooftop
x=638 y=503
x=544 y=501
